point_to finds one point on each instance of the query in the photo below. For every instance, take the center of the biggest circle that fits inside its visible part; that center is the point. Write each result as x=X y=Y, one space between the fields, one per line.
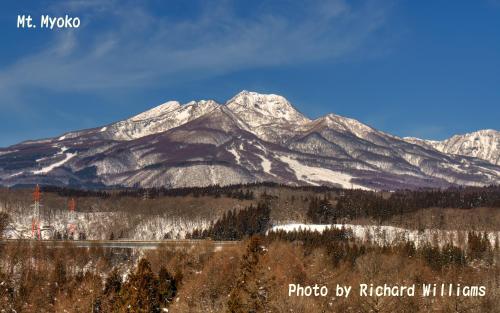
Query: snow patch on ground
x=99 y=225
x=49 y=168
x=7 y=152
x=15 y=174
x=236 y=154
x=95 y=225
x=314 y=175
x=266 y=164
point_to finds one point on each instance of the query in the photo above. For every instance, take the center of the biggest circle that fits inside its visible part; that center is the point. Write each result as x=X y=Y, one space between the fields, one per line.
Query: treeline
x=312 y=238
x=236 y=225
x=341 y=247
x=352 y=201
x=352 y=204
x=75 y=193
x=339 y=244
x=210 y=191
x=238 y=191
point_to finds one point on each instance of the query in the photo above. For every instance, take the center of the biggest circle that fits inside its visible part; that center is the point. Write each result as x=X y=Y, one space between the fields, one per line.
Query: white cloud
x=121 y=45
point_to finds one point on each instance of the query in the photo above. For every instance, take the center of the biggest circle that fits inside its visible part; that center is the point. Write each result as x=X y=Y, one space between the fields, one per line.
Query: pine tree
x=250 y=293
x=140 y=293
x=59 y=275
x=113 y=283
x=110 y=300
x=167 y=287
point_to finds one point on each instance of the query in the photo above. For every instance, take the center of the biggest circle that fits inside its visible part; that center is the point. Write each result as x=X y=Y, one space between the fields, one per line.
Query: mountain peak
x=345 y=124
x=483 y=144
x=251 y=98
x=257 y=109
x=480 y=133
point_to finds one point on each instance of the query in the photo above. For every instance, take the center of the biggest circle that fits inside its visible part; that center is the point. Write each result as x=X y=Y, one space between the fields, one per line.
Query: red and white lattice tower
x=71 y=228
x=35 y=220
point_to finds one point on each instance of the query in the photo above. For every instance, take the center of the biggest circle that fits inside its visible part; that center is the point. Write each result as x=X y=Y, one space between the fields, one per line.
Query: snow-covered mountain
x=482 y=144
x=252 y=137
x=271 y=117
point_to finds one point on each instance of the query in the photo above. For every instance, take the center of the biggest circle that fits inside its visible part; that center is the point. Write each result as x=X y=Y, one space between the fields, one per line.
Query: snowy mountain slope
x=252 y=138
x=159 y=119
x=156 y=120
x=482 y=144
x=374 y=150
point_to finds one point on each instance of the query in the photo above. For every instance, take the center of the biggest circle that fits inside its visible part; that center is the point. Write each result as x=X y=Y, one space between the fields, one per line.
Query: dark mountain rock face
x=251 y=138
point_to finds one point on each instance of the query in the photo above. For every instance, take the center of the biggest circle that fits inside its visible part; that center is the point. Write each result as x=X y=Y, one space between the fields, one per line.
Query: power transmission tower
x=146 y=195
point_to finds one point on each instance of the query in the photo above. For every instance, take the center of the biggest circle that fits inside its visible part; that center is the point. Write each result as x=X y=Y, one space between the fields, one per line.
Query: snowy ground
x=100 y=225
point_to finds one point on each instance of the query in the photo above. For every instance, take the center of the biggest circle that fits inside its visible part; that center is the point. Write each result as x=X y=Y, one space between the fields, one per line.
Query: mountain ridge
x=250 y=138
x=483 y=144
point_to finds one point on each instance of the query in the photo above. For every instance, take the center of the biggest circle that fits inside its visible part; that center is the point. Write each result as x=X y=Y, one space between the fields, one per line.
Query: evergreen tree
x=140 y=292
x=250 y=293
x=167 y=287
x=110 y=300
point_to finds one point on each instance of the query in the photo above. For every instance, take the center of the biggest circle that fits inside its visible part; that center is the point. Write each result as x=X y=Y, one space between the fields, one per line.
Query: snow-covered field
x=384 y=234
x=100 y=226
x=174 y=228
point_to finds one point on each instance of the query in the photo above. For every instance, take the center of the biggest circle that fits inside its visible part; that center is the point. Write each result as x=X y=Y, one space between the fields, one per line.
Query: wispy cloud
x=122 y=45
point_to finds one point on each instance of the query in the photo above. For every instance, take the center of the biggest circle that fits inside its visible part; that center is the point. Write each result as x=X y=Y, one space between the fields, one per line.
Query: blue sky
x=412 y=68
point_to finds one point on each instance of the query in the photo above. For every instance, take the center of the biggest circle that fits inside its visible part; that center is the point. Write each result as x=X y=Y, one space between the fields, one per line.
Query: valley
x=195 y=246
